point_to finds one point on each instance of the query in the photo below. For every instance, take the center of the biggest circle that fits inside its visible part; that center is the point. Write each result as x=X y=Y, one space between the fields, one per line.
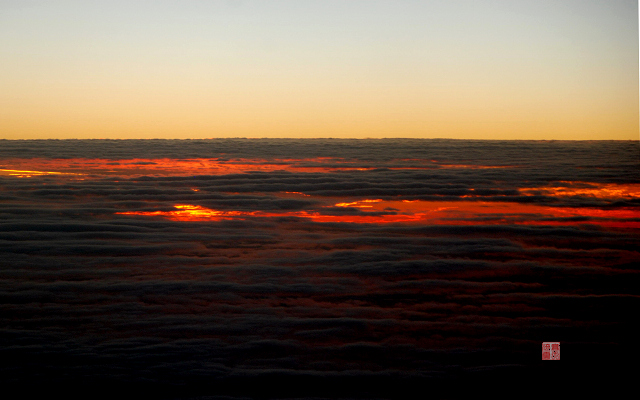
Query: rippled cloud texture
x=314 y=268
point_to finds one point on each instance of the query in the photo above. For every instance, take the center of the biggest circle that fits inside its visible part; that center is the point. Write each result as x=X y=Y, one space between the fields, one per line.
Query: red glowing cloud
x=588 y=189
x=377 y=211
x=364 y=210
x=24 y=167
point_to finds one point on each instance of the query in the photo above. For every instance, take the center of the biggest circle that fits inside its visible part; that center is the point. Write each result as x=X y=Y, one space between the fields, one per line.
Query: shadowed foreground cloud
x=355 y=269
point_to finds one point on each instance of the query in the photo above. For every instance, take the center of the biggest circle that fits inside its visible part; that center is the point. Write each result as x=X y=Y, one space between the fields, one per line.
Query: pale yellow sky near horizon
x=495 y=69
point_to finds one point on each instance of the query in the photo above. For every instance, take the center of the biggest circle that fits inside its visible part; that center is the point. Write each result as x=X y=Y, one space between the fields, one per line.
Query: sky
x=492 y=69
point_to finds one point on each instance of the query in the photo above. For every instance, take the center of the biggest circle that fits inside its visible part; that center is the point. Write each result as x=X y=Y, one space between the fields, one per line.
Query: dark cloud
x=276 y=305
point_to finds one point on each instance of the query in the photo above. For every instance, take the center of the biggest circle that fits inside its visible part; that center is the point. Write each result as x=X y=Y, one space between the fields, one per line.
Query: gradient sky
x=491 y=69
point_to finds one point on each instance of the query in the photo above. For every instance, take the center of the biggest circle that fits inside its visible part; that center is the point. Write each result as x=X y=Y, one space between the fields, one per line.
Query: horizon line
x=332 y=138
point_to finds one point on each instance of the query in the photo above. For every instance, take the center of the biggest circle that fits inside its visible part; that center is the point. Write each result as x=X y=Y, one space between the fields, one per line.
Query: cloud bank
x=303 y=270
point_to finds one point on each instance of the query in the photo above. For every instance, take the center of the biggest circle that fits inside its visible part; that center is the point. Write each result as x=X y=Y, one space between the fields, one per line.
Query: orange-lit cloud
x=428 y=212
x=369 y=210
x=599 y=190
x=197 y=166
x=29 y=174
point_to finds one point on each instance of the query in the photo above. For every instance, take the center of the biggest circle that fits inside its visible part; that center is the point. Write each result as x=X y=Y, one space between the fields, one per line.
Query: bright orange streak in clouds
x=369 y=210
x=196 y=166
x=602 y=190
x=188 y=212
x=358 y=204
x=427 y=212
x=29 y=174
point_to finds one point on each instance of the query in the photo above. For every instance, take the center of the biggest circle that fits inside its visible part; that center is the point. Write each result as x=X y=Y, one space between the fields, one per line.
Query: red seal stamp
x=550 y=350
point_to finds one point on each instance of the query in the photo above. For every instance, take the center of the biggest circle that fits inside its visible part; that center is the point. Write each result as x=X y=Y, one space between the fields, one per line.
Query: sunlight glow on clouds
x=236 y=269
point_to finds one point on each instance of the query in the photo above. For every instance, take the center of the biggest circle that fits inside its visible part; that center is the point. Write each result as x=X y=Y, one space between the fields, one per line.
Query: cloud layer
x=201 y=306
